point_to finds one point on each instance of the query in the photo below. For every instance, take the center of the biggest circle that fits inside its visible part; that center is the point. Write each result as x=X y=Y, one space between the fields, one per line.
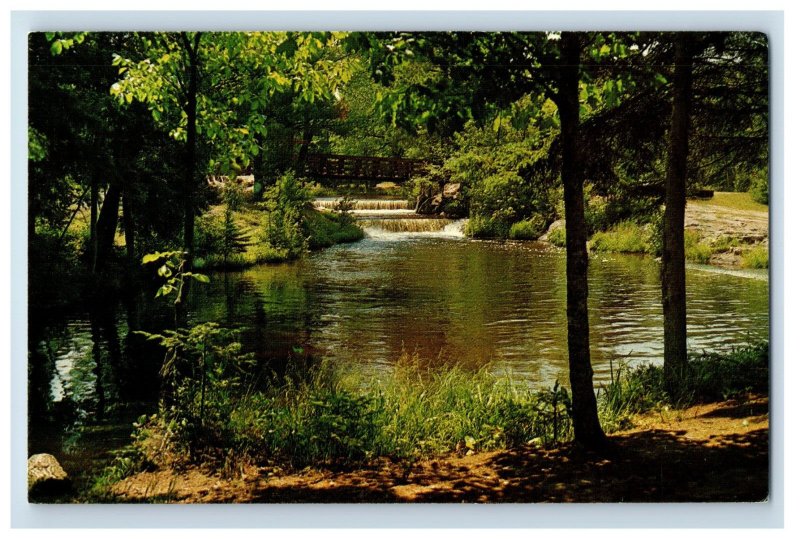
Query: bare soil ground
x=710 y=452
x=726 y=215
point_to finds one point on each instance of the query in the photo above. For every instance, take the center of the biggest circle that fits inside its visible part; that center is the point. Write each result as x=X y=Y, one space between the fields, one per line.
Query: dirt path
x=714 y=452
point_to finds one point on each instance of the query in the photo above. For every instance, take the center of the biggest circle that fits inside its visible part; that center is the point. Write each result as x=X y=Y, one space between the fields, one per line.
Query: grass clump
x=710 y=377
x=558 y=237
x=325 y=230
x=695 y=249
x=756 y=258
x=624 y=237
x=480 y=226
x=527 y=230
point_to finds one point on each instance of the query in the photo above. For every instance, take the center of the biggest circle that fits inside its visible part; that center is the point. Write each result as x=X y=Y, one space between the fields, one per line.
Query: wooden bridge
x=337 y=169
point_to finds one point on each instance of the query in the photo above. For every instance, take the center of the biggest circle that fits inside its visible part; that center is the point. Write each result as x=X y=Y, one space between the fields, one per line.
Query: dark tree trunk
x=93 y=226
x=190 y=164
x=673 y=263
x=302 y=155
x=588 y=432
x=107 y=224
x=130 y=227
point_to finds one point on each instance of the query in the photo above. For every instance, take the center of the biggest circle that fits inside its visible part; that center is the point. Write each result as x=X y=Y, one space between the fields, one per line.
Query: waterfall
x=365 y=204
x=395 y=219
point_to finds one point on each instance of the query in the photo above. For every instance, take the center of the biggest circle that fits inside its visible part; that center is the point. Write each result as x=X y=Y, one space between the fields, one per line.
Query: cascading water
x=384 y=219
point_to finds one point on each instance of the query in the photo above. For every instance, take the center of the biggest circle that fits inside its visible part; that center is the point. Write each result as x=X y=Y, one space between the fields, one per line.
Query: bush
x=324 y=230
x=710 y=377
x=285 y=202
x=480 y=226
x=759 y=188
x=558 y=237
x=695 y=250
x=756 y=258
x=625 y=237
x=527 y=230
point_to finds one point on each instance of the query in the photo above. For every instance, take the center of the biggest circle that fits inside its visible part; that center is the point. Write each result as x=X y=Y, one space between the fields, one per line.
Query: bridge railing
x=362 y=168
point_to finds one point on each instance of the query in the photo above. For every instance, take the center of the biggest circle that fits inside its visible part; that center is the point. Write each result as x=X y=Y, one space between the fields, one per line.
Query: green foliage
x=528 y=230
x=558 y=237
x=759 y=188
x=625 y=237
x=756 y=258
x=171 y=269
x=201 y=370
x=696 y=250
x=325 y=230
x=710 y=377
x=490 y=163
x=285 y=203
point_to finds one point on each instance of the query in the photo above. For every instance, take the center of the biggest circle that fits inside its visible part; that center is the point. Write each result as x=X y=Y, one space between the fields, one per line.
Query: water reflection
x=449 y=300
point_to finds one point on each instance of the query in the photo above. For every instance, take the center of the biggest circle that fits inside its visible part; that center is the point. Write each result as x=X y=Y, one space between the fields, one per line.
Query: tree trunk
x=302 y=155
x=128 y=223
x=588 y=432
x=93 y=226
x=107 y=224
x=191 y=148
x=673 y=262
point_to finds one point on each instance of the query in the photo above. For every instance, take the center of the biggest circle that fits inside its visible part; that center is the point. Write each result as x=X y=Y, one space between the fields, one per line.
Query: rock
x=46 y=477
x=555 y=225
x=451 y=190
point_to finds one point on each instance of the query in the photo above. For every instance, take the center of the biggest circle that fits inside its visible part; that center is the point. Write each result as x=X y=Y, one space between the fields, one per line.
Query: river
x=412 y=285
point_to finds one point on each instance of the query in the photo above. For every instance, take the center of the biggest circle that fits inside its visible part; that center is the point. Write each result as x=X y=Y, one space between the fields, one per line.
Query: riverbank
x=250 y=246
x=729 y=230
x=454 y=436
x=707 y=452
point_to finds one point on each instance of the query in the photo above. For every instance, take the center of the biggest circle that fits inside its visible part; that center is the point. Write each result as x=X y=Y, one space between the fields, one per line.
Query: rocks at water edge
x=46 y=477
x=444 y=202
x=555 y=225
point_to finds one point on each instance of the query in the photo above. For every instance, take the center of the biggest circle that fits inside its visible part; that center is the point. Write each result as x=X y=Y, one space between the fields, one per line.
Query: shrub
x=558 y=237
x=696 y=250
x=285 y=202
x=625 y=237
x=756 y=258
x=324 y=230
x=480 y=226
x=759 y=188
x=527 y=230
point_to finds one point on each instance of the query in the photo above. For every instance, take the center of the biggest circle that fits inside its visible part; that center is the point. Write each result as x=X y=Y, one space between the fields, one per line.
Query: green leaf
x=165 y=290
x=199 y=277
x=56 y=48
x=164 y=271
x=152 y=257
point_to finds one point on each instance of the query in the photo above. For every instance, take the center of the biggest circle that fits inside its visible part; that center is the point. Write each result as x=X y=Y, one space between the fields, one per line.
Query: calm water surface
x=436 y=294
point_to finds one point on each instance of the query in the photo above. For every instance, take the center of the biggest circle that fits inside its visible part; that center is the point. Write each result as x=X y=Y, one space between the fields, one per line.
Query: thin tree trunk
x=93 y=225
x=107 y=224
x=588 y=432
x=191 y=148
x=128 y=223
x=302 y=155
x=673 y=262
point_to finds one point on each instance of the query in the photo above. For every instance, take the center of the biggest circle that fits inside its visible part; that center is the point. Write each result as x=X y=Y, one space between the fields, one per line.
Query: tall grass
x=695 y=249
x=330 y=416
x=710 y=377
x=756 y=258
x=624 y=237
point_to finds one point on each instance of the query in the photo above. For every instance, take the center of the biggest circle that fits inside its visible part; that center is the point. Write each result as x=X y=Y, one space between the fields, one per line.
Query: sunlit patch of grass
x=624 y=237
x=696 y=250
x=756 y=258
x=734 y=201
